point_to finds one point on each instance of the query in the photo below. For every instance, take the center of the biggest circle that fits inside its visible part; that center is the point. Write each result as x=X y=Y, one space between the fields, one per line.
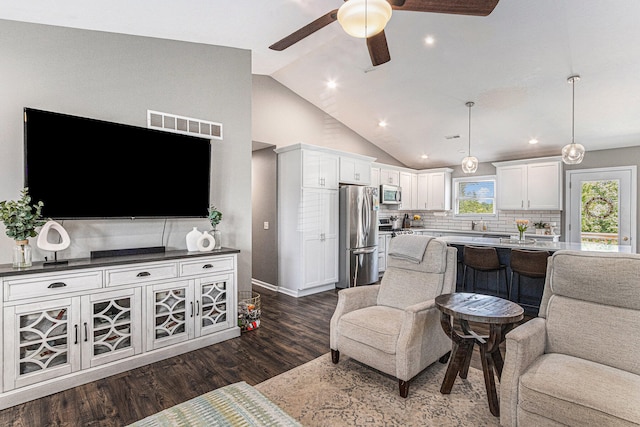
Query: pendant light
x=364 y=18
x=469 y=163
x=573 y=153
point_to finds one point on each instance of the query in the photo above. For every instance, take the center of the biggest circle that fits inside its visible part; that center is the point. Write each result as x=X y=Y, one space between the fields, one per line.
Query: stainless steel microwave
x=390 y=194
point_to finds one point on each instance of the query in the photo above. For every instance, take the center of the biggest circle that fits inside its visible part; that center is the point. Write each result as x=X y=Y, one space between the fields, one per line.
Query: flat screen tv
x=83 y=168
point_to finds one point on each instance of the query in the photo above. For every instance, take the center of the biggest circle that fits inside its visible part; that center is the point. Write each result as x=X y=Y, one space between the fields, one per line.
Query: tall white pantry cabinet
x=307 y=219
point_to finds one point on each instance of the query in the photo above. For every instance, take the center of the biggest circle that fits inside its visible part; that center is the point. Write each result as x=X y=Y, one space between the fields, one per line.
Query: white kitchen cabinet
x=406 y=183
x=307 y=230
x=319 y=169
x=434 y=190
x=320 y=238
x=70 y=326
x=375 y=177
x=529 y=185
x=355 y=170
x=389 y=176
x=382 y=253
x=48 y=339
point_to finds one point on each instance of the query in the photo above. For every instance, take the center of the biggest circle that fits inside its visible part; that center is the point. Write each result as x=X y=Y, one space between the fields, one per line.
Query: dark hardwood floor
x=293 y=331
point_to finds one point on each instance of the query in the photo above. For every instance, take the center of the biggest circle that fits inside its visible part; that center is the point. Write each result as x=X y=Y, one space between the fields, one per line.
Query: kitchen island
x=531 y=289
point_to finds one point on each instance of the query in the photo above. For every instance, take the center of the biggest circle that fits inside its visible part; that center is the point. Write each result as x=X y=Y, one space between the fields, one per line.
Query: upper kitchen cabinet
x=434 y=189
x=389 y=176
x=534 y=184
x=319 y=169
x=375 y=176
x=409 y=185
x=355 y=170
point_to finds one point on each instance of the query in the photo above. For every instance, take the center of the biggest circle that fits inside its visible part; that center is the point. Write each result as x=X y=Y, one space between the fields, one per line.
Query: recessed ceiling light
x=533 y=141
x=424 y=156
x=382 y=124
x=331 y=84
x=429 y=40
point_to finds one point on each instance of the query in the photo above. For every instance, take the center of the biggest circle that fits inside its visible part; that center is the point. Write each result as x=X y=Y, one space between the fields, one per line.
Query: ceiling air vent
x=184 y=125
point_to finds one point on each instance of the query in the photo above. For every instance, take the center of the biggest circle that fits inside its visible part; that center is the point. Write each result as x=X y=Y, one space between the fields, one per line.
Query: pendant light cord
x=573 y=110
x=470 y=105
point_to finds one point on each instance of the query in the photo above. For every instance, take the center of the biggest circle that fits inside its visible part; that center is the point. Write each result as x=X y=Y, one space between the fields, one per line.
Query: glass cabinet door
x=171 y=313
x=111 y=326
x=212 y=300
x=41 y=341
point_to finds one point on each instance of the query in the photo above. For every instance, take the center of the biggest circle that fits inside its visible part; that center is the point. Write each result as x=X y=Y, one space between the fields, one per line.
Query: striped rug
x=237 y=404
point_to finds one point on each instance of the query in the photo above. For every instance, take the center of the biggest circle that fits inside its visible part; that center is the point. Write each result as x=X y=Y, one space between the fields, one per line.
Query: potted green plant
x=540 y=226
x=20 y=219
x=215 y=216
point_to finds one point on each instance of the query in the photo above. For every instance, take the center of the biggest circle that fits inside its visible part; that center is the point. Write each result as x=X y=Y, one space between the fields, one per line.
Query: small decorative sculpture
x=44 y=243
x=43 y=238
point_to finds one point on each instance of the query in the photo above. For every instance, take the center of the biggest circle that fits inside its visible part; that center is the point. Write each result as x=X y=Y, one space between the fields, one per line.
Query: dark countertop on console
x=38 y=267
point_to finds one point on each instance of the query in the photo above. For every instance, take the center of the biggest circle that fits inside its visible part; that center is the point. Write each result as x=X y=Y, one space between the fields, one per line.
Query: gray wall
x=281 y=117
x=117 y=78
x=264 y=204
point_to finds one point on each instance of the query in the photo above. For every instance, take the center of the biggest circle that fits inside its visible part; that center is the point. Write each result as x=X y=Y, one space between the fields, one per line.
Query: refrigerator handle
x=364 y=251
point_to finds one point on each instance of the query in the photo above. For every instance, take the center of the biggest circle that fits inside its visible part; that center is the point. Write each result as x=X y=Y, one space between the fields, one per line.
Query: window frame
x=455 y=183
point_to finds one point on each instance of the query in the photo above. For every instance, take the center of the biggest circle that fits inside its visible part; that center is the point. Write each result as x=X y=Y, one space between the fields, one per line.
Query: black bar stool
x=527 y=263
x=484 y=259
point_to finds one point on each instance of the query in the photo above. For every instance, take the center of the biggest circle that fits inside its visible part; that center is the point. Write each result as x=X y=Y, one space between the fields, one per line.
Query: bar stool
x=527 y=263
x=484 y=259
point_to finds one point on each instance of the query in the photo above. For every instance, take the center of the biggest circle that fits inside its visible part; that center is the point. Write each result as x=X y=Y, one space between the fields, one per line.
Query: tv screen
x=85 y=168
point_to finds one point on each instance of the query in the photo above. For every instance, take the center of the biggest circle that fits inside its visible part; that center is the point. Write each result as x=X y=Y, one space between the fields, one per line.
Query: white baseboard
x=262 y=284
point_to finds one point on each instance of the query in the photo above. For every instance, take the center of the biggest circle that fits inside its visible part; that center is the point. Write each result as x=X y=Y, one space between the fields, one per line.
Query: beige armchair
x=578 y=363
x=394 y=327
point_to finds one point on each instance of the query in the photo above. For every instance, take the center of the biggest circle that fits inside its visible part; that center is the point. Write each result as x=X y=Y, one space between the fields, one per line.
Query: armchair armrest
x=524 y=345
x=349 y=300
x=421 y=340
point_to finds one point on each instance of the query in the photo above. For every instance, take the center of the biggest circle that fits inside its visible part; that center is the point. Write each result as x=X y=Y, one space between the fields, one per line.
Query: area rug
x=320 y=393
x=236 y=405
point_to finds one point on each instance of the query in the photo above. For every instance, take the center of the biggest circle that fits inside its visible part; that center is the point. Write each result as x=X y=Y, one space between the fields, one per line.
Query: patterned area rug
x=320 y=393
x=232 y=406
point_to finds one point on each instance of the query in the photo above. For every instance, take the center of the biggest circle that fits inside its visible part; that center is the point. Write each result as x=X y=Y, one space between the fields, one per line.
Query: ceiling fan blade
x=378 y=49
x=305 y=31
x=459 y=7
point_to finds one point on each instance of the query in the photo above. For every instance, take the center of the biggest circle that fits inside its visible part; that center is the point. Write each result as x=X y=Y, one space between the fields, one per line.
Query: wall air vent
x=183 y=125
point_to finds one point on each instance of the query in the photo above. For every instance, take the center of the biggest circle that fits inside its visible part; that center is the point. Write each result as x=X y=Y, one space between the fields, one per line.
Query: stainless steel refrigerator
x=358 y=256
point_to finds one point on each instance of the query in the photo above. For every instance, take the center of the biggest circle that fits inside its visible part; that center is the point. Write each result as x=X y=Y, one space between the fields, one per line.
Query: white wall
x=117 y=78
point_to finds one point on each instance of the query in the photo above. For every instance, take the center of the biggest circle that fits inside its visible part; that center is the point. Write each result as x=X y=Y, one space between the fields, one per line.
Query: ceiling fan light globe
x=364 y=18
x=573 y=153
x=469 y=164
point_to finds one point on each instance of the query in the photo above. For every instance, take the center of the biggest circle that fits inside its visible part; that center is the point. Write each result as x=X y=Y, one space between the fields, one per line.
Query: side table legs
x=490 y=355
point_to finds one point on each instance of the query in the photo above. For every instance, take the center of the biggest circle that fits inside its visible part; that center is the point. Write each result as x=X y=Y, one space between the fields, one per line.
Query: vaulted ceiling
x=513 y=64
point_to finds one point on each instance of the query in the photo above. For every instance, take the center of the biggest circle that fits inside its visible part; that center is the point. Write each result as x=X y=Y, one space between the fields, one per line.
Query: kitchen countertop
x=478 y=233
x=541 y=245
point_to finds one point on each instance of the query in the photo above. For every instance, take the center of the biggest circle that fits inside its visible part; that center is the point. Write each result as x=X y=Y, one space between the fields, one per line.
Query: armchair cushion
x=378 y=326
x=607 y=397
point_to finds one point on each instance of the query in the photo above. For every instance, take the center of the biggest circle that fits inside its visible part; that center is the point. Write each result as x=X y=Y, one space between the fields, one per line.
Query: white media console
x=68 y=325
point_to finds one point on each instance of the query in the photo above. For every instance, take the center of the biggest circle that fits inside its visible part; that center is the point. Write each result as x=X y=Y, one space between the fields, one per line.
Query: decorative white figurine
x=204 y=247
x=43 y=238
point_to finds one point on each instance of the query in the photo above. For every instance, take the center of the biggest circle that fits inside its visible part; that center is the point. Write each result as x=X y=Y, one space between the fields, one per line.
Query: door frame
x=633 y=198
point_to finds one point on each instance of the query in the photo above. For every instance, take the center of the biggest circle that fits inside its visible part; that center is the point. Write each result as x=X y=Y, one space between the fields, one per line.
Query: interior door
x=601 y=207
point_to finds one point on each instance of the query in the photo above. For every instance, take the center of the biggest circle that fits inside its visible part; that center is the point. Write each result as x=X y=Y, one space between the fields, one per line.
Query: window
x=475 y=196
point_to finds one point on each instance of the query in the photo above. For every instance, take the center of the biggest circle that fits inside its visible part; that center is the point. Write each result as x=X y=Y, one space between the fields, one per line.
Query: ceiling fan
x=367 y=18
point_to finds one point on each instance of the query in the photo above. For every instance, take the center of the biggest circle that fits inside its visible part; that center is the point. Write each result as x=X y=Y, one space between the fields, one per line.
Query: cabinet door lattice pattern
x=170 y=313
x=111 y=325
x=43 y=340
x=214 y=303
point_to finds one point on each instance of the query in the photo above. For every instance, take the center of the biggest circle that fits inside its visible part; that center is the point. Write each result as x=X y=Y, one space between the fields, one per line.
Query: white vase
x=192 y=239
x=206 y=242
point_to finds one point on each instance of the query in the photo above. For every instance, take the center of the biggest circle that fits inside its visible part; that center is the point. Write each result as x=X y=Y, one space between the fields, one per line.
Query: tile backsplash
x=504 y=221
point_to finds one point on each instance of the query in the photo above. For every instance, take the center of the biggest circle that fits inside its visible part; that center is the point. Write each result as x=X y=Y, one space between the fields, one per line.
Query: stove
x=401 y=231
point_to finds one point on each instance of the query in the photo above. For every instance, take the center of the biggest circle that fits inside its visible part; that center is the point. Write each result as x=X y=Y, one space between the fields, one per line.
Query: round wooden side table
x=499 y=314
